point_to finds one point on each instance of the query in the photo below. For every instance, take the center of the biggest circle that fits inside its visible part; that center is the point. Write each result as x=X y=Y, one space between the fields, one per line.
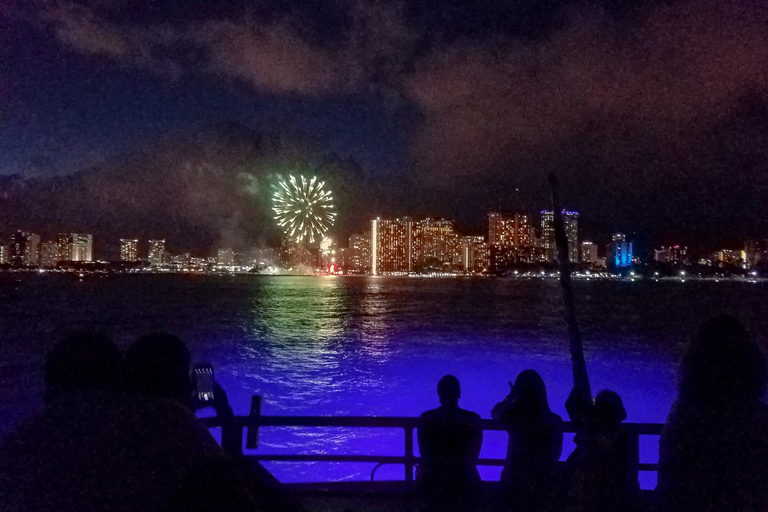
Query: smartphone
x=203 y=376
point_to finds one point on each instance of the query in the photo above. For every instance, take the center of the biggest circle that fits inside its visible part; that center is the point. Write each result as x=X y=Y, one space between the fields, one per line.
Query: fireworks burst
x=303 y=208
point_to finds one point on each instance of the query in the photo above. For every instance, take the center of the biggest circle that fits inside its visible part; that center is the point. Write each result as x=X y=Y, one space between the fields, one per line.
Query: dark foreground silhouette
x=601 y=474
x=158 y=366
x=119 y=434
x=535 y=443
x=449 y=444
x=95 y=448
x=713 y=452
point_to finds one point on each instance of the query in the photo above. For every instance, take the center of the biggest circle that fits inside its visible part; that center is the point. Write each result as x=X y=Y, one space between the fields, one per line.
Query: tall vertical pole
x=578 y=365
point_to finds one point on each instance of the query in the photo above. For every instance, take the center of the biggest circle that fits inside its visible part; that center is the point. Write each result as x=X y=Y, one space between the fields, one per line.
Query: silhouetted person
x=449 y=444
x=535 y=442
x=603 y=467
x=83 y=362
x=95 y=448
x=158 y=366
x=713 y=451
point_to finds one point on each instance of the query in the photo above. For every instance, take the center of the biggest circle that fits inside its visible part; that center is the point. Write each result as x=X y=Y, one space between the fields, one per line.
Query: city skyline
x=503 y=229
x=396 y=246
x=512 y=226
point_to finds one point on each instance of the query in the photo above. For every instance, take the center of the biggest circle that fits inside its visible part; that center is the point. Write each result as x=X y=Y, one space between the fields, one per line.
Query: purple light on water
x=377 y=347
x=406 y=386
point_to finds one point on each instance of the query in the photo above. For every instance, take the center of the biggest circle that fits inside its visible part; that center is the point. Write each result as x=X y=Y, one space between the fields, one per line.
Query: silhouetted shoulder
x=554 y=419
x=470 y=415
x=741 y=424
x=515 y=416
x=458 y=413
x=713 y=450
x=714 y=460
x=119 y=453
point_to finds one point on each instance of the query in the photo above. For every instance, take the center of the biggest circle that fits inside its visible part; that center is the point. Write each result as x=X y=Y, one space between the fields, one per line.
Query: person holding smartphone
x=158 y=365
x=96 y=447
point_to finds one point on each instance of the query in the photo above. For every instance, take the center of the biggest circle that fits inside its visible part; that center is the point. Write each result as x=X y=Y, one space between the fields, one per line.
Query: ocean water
x=372 y=345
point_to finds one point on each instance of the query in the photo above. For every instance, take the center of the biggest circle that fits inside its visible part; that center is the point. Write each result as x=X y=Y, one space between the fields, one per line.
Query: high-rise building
x=392 y=246
x=675 y=254
x=63 y=241
x=678 y=254
x=539 y=252
x=17 y=249
x=434 y=239
x=75 y=247
x=359 y=258
x=571 y=224
x=82 y=247
x=510 y=240
x=225 y=257
x=620 y=251
x=23 y=250
x=474 y=254
x=344 y=259
x=298 y=256
x=32 y=250
x=156 y=252
x=514 y=230
x=548 y=235
x=589 y=253
x=50 y=254
x=329 y=256
x=129 y=249
x=496 y=228
x=181 y=260
x=730 y=257
x=4 y=254
x=756 y=251
x=262 y=257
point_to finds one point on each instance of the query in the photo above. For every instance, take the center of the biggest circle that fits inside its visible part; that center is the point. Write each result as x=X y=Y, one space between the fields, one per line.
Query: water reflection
x=373 y=310
x=364 y=346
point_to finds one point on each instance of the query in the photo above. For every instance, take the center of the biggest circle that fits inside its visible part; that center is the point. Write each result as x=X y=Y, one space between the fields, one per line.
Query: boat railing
x=247 y=429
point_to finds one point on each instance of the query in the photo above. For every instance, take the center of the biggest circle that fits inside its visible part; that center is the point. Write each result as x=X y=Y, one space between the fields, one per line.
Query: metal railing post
x=633 y=453
x=254 y=419
x=409 y=455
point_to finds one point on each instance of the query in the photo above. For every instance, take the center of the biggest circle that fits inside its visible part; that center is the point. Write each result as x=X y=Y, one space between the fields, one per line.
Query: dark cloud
x=273 y=54
x=645 y=121
x=683 y=65
x=652 y=112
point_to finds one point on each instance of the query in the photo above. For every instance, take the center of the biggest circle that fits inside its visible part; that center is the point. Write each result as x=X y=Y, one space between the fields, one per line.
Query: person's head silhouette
x=609 y=407
x=449 y=390
x=530 y=393
x=158 y=365
x=722 y=365
x=83 y=361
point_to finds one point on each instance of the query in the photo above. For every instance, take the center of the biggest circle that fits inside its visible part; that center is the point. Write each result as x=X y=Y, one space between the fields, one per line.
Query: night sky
x=170 y=118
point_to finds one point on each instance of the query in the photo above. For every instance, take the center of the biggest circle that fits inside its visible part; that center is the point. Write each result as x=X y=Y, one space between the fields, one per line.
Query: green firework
x=303 y=208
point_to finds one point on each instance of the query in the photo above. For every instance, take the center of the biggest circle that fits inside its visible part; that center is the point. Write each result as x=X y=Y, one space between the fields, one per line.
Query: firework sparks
x=303 y=208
